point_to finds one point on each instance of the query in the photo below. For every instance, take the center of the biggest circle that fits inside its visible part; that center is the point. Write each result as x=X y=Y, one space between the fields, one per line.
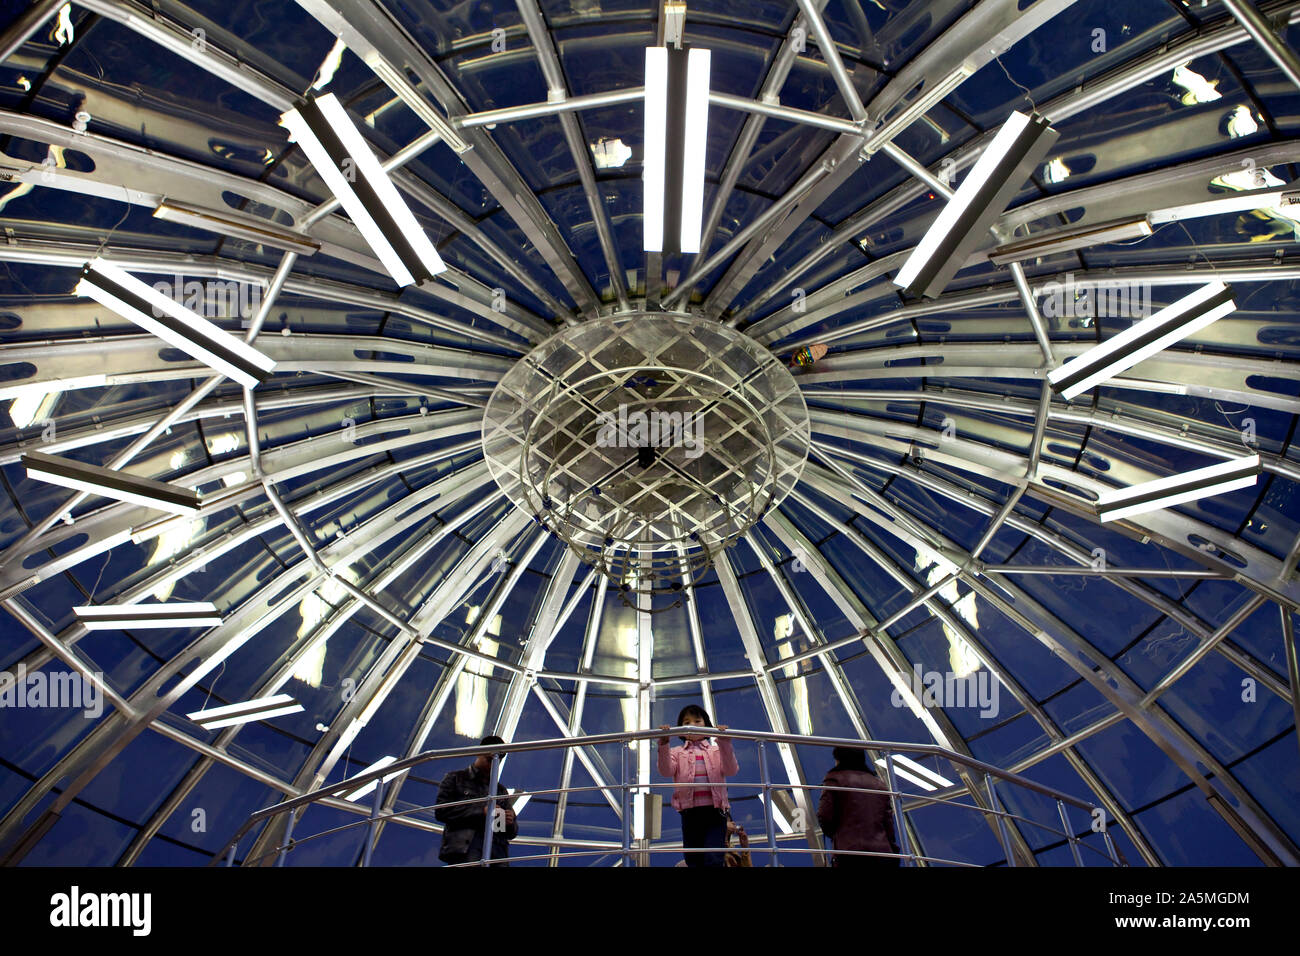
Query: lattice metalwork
x=647 y=442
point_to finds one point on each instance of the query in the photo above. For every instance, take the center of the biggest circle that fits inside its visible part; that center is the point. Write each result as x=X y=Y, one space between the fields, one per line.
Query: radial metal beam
x=1202 y=42
x=1173 y=529
x=1135 y=587
x=589 y=639
x=831 y=54
x=770 y=697
x=1261 y=31
x=396 y=658
x=373 y=34
x=1099 y=671
x=891 y=660
x=279 y=595
x=777 y=72
x=558 y=89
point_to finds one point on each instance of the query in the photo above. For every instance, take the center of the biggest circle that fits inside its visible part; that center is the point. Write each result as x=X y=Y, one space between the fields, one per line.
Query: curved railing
x=625 y=849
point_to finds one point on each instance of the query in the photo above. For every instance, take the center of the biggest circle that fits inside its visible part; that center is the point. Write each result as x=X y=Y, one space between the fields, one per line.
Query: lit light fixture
x=1164 y=492
x=1143 y=339
x=1068 y=240
x=610 y=153
x=910 y=770
x=379 y=764
x=263 y=708
x=154 y=312
x=926 y=100
x=779 y=818
x=345 y=162
x=676 y=133
x=1265 y=199
x=118 y=617
x=1198 y=88
x=33 y=407
x=997 y=176
x=236 y=227
x=518 y=803
x=110 y=484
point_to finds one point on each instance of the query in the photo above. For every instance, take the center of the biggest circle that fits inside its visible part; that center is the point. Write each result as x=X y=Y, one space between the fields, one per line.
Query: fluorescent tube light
x=237 y=227
x=53 y=385
x=652 y=167
x=910 y=770
x=116 y=617
x=777 y=816
x=927 y=100
x=922 y=770
x=997 y=176
x=154 y=312
x=1175 y=489
x=346 y=163
x=1068 y=240
x=904 y=775
x=1241 y=202
x=263 y=708
x=1143 y=339
x=518 y=803
x=676 y=136
x=110 y=484
x=379 y=764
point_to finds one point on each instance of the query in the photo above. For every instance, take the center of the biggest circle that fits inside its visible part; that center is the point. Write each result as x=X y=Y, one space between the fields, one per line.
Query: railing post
x=230 y=856
x=288 y=836
x=1002 y=821
x=493 y=779
x=767 y=801
x=375 y=809
x=900 y=824
x=1069 y=834
x=626 y=793
x=1110 y=845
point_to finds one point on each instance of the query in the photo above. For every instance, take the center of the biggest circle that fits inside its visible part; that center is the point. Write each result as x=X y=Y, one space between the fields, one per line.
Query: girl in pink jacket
x=700 y=769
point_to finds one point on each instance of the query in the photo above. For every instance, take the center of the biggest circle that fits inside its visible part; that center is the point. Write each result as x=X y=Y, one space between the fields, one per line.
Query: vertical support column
x=767 y=801
x=626 y=796
x=644 y=697
x=376 y=808
x=900 y=824
x=230 y=855
x=493 y=778
x=1292 y=663
x=1069 y=833
x=1110 y=846
x=288 y=836
x=996 y=805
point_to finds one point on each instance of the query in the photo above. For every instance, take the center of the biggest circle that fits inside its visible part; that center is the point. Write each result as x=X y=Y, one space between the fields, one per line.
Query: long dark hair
x=693 y=710
x=850 y=758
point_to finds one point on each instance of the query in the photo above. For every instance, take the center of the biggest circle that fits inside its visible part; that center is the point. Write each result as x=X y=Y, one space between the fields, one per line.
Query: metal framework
x=864 y=452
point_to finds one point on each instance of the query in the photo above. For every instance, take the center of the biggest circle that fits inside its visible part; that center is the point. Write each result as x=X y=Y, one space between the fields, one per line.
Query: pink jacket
x=719 y=761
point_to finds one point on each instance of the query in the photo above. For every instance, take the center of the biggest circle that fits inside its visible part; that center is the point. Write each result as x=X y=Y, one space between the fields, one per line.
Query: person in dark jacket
x=462 y=826
x=857 y=819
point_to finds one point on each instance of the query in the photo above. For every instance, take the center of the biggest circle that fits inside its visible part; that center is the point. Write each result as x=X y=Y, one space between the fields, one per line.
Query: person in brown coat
x=857 y=819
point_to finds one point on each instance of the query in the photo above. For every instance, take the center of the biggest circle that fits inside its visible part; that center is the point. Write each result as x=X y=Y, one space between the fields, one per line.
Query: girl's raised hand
x=664 y=740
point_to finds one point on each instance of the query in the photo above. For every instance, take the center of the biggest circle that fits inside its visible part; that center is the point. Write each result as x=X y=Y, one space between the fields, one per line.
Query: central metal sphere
x=648 y=442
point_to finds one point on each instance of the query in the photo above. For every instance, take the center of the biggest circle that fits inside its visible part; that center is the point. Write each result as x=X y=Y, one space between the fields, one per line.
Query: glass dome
x=387 y=578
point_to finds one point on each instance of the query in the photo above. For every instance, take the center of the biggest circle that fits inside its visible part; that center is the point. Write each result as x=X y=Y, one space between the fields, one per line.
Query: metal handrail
x=295 y=804
x=607 y=847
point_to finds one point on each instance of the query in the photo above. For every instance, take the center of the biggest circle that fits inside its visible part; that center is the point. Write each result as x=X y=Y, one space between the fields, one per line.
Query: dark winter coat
x=463 y=825
x=857 y=820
